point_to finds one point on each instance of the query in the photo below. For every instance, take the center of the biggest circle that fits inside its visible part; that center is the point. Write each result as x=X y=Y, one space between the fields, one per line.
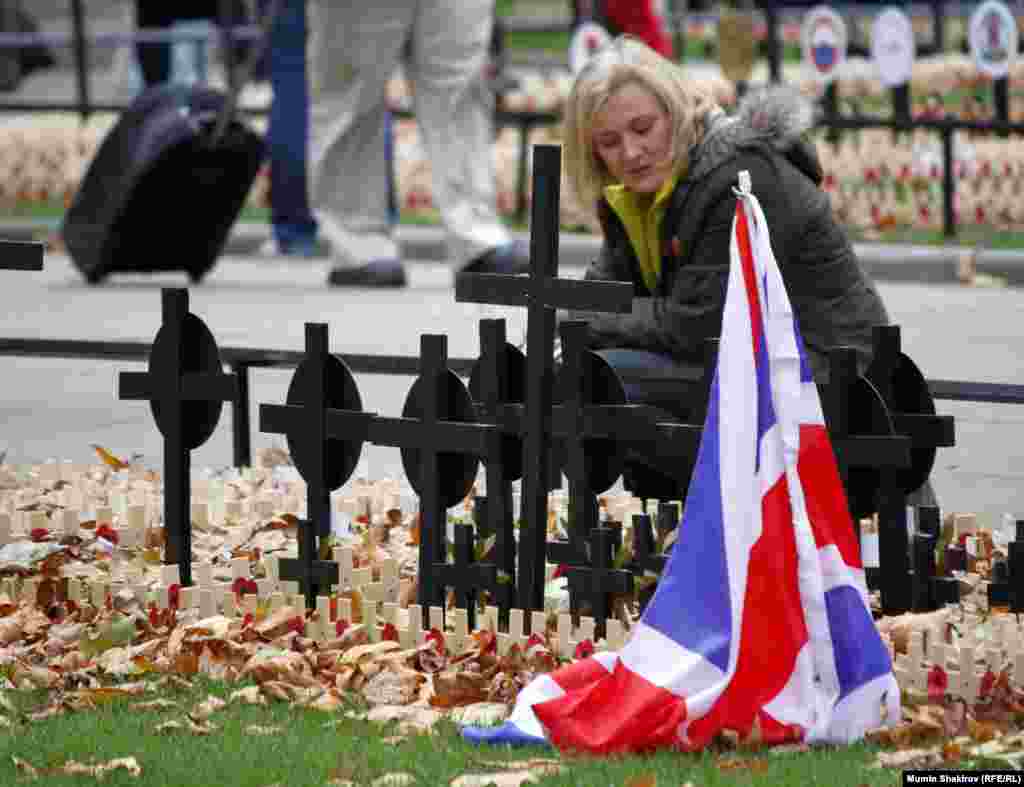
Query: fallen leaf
x=259 y=729
x=250 y=695
x=644 y=780
x=208 y=707
x=752 y=764
x=109 y=459
x=157 y=704
x=100 y=770
x=397 y=779
x=25 y=768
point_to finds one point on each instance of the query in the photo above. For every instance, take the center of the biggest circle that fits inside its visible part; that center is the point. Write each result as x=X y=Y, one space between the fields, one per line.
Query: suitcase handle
x=244 y=72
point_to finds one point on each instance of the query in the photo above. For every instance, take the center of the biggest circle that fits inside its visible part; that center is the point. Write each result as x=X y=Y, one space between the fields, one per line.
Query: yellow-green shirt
x=641 y=216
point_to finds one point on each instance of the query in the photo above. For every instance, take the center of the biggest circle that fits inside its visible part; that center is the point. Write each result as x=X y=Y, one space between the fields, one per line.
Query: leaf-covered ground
x=120 y=690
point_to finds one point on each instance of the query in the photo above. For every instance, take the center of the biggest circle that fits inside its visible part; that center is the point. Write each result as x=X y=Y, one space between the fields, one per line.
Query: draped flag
x=760 y=623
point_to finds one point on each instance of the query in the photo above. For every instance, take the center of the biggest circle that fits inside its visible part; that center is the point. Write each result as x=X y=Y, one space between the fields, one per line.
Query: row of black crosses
x=326 y=427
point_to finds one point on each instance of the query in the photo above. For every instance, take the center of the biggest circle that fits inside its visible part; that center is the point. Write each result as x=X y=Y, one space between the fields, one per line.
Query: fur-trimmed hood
x=777 y=116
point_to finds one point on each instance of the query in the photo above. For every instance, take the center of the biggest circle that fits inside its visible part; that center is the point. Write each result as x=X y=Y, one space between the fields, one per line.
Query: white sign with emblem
x=586 y=41
x=823 y=40
x=892 y=47
x=992 y=32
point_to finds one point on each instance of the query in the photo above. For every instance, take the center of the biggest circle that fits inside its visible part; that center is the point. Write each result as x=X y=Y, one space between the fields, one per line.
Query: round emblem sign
x=588 y=38
x=992 y=32
x=823 y=39
x=892 y=47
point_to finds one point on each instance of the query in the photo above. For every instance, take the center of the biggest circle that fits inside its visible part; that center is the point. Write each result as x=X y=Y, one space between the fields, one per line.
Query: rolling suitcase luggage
x=165 y=186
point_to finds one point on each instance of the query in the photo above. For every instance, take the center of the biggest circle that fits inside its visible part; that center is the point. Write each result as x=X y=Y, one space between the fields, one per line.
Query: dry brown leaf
x=752 y=764
x=906 y=758
x=362 y=654
x=208 y=707
x=397 y=779
x=259 y=729
x=982 y=731
x=157 y=704
x=99 y=770
x=452 y=689
x=328 y=702
x=643 y=780
x=277 y=690
x=25 y=768
x=250 y=695
x=512 y=774
x=410 y=717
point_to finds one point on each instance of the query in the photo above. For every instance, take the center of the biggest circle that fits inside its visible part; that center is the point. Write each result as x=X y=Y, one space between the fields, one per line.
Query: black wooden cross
x=929 y=590
x=542 y=293
x=1008 y=590
x=186 y=389
x=645 y=555
x=465 y=574
x=867 y=452
x=911 y=407
x=325 y=425
x=18 y=255
x=426 y=440
x=600 y=580
x=495 y=388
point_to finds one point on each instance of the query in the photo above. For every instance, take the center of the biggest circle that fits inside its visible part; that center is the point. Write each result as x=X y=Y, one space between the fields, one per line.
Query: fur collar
x=776 y=117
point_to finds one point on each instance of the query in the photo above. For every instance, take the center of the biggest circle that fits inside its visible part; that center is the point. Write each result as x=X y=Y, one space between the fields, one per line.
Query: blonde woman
x=659 y=159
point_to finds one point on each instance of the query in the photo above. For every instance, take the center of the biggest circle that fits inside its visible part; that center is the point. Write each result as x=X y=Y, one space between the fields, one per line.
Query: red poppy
x=938 y=683
x=39 y=534
x=584 y=649
x=340 y=627
x=389 y=633
x=107 y=533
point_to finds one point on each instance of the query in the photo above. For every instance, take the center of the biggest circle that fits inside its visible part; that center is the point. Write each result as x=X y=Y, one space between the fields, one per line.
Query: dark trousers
x=155 y=59
x=288 y=127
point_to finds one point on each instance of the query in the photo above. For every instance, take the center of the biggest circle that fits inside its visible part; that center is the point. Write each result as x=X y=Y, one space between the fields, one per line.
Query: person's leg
x=288 y=131
x=154 y=59
x=356 y=50
x=454 y=108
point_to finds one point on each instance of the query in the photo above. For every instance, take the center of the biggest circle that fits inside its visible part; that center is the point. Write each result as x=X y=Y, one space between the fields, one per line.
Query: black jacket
x=835 y=302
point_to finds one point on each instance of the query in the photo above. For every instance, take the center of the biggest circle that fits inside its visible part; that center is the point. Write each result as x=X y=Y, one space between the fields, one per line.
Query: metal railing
x=241 y=360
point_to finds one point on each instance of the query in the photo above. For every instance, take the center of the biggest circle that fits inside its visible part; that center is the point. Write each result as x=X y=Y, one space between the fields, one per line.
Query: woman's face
x=632 y=135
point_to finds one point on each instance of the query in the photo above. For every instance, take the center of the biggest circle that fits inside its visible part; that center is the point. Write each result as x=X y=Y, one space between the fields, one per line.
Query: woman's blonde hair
x=623 y=61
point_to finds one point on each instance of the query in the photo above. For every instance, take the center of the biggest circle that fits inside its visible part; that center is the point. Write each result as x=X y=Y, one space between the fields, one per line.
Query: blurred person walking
x=356 y=48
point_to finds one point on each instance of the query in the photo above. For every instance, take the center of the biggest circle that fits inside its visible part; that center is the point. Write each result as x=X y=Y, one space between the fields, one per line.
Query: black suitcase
x=163 y=190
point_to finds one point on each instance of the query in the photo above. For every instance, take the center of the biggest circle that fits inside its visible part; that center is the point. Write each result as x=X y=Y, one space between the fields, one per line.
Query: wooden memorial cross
x=433 y=433
x=325 y=425
x=911 y=407
x=466 y=575
x=600 y=580
x=1008 y=589
x=494 y=385
x=17 y=255
x=542 y=293
x=186 y=388
x=867 y=453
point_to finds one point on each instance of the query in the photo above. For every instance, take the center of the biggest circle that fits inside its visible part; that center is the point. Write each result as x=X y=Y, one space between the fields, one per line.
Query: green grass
x=314 y=747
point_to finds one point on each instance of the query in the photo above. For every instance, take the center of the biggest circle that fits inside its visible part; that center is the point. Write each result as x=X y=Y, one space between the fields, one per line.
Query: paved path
x=56 y=408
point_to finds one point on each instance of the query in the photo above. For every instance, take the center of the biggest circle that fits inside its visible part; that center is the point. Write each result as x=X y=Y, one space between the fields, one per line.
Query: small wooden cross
x=18 y=255
x=313 y=428
x=1010 y=590
x=600 y=580
x=186 y=389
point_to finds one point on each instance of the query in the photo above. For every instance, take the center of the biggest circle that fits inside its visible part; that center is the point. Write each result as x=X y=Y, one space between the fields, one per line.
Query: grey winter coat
x=835 y=302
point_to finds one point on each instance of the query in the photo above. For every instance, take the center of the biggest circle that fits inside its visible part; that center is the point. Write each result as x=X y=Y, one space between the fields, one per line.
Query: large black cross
x=314 y=429
x=19 y=255
x=186 y=388
x=542 y=293
x=600 y=580
x=433 y=436
x=870 y=444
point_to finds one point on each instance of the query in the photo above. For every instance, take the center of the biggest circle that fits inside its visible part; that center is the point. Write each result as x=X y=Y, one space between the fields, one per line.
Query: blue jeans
x=288 y=128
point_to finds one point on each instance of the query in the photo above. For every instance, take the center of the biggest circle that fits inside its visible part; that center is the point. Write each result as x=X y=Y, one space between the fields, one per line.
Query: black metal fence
x=241 y=360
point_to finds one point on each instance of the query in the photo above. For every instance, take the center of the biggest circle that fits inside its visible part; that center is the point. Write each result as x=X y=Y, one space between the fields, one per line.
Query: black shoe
x=512 y=259
x=378 y=273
